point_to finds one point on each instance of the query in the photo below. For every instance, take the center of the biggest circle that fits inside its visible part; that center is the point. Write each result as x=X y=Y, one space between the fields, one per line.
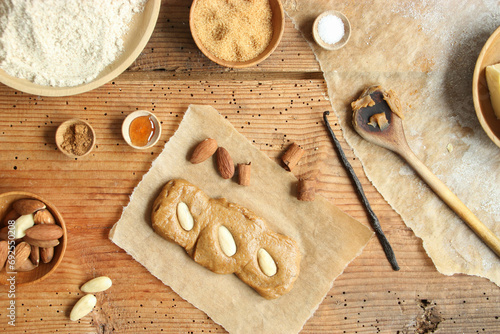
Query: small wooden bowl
x=61 y=130
x=345 y=38
x=130 y=118
x=490 y=55
x=278 y=22
x=44 y=269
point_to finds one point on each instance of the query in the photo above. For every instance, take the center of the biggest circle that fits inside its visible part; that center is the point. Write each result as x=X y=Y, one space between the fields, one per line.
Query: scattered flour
x=473 y=170
x=62 y=43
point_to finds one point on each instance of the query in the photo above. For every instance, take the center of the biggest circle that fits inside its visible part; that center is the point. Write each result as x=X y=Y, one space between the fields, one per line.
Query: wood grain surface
x=273 y=104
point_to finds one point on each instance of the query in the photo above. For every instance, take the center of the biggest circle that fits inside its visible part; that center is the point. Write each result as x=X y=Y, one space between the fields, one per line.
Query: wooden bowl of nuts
x=33 y=238
x=237 y=34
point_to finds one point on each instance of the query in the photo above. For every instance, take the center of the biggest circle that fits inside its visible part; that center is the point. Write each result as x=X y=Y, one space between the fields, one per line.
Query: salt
x=331 y=29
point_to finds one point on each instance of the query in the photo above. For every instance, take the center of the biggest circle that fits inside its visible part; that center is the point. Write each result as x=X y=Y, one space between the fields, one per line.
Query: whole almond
x=27 y=266
x=4 y=233
x=226 y=241
x=35 y=255
x=184 y=216
x=44 y=217
x=47 y=254
x=27 y=206
x=83 y=307
x=4 y=250
x=44 y=232
x=22 y=253
x=97 y=284
x=11 y=215
x=203 y=151
x=225 y=163
x=41 y=243
x=266 y=262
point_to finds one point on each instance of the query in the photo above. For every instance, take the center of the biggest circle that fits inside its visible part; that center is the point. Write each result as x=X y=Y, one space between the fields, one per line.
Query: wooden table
x=272 y=104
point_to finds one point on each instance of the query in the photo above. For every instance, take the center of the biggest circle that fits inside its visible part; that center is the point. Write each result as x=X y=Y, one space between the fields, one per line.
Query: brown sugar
x=77 y=139
x=234 y=30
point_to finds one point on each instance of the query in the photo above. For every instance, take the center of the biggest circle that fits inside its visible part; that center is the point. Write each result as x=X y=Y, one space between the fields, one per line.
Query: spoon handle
x=453 y=201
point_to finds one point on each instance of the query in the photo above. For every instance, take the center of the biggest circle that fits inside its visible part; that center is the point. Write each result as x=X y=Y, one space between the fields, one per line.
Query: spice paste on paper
x=202 y=240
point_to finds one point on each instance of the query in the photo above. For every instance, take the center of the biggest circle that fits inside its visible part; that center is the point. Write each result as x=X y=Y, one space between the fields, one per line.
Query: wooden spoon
x=393 y=138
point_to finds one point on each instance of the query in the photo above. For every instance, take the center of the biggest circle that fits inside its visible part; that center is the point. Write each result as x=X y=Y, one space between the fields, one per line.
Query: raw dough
x=250 y=233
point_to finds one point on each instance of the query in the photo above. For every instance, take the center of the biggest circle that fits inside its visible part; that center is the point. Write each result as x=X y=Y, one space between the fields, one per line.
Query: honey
x=142 y=130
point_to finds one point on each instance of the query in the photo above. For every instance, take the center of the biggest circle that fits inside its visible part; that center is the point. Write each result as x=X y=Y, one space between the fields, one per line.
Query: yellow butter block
x=493 y=80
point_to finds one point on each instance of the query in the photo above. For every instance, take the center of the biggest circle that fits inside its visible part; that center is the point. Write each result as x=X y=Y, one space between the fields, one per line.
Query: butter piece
x=493 y=80
x=380 y=120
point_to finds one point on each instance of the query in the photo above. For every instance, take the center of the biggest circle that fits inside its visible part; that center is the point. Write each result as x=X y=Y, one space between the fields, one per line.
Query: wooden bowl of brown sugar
x=238 y=34
x=75 y=138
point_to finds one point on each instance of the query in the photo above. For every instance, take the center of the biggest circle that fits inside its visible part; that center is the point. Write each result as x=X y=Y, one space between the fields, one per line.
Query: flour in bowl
x=62 y=43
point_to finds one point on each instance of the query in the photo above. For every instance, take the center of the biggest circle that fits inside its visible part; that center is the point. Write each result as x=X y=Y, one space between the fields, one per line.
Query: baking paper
x=328 y=238
x=426 y=52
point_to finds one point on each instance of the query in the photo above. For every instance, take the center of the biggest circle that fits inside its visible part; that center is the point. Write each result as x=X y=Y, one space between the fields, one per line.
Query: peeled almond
x=184 y=216
x=266 y=263
x=97 y=284
x=83 y=307
x=226 y=241
x=22 y=224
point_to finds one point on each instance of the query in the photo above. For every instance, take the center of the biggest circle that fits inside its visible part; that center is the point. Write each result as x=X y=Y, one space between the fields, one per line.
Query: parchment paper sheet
x=329 y=239
x=425 y=51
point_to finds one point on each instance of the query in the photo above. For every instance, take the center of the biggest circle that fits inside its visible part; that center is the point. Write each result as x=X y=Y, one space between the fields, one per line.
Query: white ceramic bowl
x=126 y=125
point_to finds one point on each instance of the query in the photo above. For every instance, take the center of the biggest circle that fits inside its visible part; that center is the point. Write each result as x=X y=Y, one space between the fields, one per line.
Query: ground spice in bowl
x=233 y=30
x=75 y=138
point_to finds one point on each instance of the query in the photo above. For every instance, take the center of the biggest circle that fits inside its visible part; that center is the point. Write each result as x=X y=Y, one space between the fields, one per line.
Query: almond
x=27 y=266
x=226 y=241
x=22 y=224
x=4 y=233
x=225 y=163
x=44 y=232
x=44 y=217
x=203 y=151
x=184 y=216
x=83 y=307
x=4 y=251
x=266 y=263
x=47 y=254
x=35 y=255
x=22 y=253
x=97 y=284
x=27 y=206
x=11 y=215
x=41 y=243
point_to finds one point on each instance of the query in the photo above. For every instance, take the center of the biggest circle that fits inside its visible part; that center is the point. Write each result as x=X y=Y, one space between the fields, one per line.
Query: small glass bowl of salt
x=331 y=30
